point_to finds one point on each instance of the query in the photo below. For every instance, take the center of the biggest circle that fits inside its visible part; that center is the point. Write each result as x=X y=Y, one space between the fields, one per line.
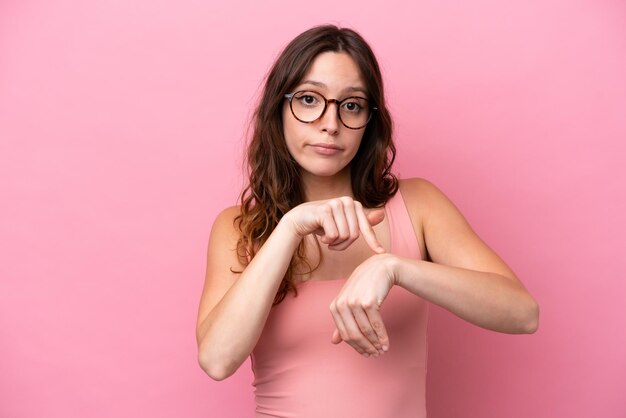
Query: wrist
x=403 y=270
x=393 y=265
x=286 y=228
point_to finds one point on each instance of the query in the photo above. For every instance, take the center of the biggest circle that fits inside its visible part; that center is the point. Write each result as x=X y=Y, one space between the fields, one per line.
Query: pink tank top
x=298 y=372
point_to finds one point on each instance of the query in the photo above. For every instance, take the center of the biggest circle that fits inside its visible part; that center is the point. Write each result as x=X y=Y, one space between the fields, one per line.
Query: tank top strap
x=403 y=237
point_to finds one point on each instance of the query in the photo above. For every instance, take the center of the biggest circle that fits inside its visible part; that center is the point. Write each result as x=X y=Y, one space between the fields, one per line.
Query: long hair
x=274 y=185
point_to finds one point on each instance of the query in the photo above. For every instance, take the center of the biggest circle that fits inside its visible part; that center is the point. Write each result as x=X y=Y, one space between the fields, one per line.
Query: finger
x=349 y=215
x=340 y=329
x=378 y=326
x=344 y=332
x=336 y=338
x=339 y=216
x=375 y=216
x=363 y=321
x=367 y=231
x=355 y=337
x=353 y=223
x=327 y=224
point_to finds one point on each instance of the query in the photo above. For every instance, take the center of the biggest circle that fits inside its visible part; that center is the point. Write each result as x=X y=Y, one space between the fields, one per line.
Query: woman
x=328 y=247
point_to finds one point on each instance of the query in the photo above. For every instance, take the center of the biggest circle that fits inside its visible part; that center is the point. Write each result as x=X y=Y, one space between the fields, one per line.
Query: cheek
x=290 y=132
x=357 y=140
x=292 y=129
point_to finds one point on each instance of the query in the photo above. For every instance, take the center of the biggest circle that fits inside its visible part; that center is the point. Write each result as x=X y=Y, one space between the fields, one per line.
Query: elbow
x=216 y=369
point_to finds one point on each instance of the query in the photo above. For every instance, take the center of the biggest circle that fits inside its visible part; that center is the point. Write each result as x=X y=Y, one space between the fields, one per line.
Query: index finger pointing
x=368 y=232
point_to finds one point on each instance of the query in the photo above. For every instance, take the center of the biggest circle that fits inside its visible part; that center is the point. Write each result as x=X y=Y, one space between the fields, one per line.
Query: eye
x=307 y=99
x=352 y=106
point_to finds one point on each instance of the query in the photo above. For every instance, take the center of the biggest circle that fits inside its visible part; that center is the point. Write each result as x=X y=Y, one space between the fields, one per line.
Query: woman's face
x=325 y=147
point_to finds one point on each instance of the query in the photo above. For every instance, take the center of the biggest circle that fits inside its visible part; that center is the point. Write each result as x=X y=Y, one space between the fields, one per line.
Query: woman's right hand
x=338 y=222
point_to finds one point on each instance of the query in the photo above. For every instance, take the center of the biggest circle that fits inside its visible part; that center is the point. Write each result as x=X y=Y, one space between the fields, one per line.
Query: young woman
x=323 y=273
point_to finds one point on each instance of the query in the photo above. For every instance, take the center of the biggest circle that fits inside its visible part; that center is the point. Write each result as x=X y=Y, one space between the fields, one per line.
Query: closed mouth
x=326 y=146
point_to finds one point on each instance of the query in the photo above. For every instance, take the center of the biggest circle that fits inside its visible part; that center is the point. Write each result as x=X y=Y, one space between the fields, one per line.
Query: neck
x=323 y=188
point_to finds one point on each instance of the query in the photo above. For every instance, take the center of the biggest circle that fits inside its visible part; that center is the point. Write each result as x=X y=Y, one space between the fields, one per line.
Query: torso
x=298 y=372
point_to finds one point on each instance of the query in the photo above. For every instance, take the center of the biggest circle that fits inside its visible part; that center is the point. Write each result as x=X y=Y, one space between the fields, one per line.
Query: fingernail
x=385 y=348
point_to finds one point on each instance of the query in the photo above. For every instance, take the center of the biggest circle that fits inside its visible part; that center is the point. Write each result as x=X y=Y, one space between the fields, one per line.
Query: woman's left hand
x=356 y=309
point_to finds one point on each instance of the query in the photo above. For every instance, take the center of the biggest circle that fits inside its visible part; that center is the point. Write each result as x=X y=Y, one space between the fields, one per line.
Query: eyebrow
x=350 y=89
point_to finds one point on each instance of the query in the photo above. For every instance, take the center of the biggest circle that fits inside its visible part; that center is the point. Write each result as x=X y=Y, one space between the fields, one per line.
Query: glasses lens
x=354 y=112
x=307 y=106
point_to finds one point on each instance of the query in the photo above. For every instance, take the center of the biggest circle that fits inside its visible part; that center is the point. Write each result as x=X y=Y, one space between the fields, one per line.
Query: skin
x=460 y=272
x=325 y=177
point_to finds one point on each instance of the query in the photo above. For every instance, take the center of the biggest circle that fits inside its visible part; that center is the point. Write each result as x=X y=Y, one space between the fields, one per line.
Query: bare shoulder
x=449 y=239
x=224 y=224
x=420 y=193
x=222 y=249
x=428 y=203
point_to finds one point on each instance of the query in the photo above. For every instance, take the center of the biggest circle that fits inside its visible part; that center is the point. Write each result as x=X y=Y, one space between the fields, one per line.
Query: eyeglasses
x=308 y=106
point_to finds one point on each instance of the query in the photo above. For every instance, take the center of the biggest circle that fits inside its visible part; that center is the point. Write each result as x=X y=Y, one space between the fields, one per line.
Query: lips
x=328 y=146
x=326 y=149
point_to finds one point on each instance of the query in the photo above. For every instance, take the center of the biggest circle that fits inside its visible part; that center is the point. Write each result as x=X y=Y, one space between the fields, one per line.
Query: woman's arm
x=490 y=300
x=465 y=276
x=234 y=307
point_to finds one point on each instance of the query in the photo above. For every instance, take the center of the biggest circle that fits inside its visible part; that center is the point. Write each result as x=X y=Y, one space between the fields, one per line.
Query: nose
x=329 y=122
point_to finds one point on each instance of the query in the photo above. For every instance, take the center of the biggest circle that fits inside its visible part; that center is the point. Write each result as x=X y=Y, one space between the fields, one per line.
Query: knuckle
x=354 y=303
x=326 y=209
x=353 y=336
x=367 y=331
x=377 y=326
x=341 y=305
x=335 y=203
x=346 y=201
x=372 y=336
x=367 y=304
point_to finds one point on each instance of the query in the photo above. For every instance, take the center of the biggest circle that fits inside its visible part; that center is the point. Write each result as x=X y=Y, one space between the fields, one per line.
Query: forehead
x=334 y=71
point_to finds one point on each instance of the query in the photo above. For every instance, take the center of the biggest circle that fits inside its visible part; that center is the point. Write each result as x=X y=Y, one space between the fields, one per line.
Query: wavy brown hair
x=274 y=185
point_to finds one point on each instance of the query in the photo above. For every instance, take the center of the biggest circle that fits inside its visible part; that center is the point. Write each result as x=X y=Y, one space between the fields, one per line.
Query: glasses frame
x=290 y=96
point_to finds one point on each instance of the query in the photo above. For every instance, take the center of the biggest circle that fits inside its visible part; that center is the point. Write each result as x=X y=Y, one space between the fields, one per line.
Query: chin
x=325 y=171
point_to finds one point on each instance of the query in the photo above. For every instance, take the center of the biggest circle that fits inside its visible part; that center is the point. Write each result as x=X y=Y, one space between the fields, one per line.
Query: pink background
x=121 y=131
